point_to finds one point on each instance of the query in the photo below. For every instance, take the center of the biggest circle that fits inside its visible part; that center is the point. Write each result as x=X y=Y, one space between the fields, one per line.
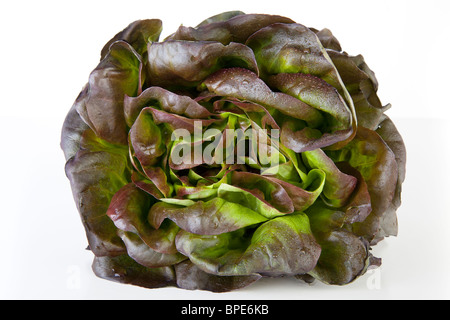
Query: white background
x=48 y=49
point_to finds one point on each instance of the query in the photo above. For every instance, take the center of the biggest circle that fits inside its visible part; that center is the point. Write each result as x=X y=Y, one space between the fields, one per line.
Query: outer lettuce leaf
x=281 y=246
x=224 y=16
x=235 y=29
x=389 y=133
x=97 y=172
x=327 y=39
x=123 y=269
x=140 y=252
x=362 y=85
x=186 y=63
x=73 y=128
x=372 y=157
x=129 y=209
x=117 y=75
x=293 y=48
x=284 y=245
x=387 y=130
x=344 y=256
x=137 y=34
x=191 y=277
